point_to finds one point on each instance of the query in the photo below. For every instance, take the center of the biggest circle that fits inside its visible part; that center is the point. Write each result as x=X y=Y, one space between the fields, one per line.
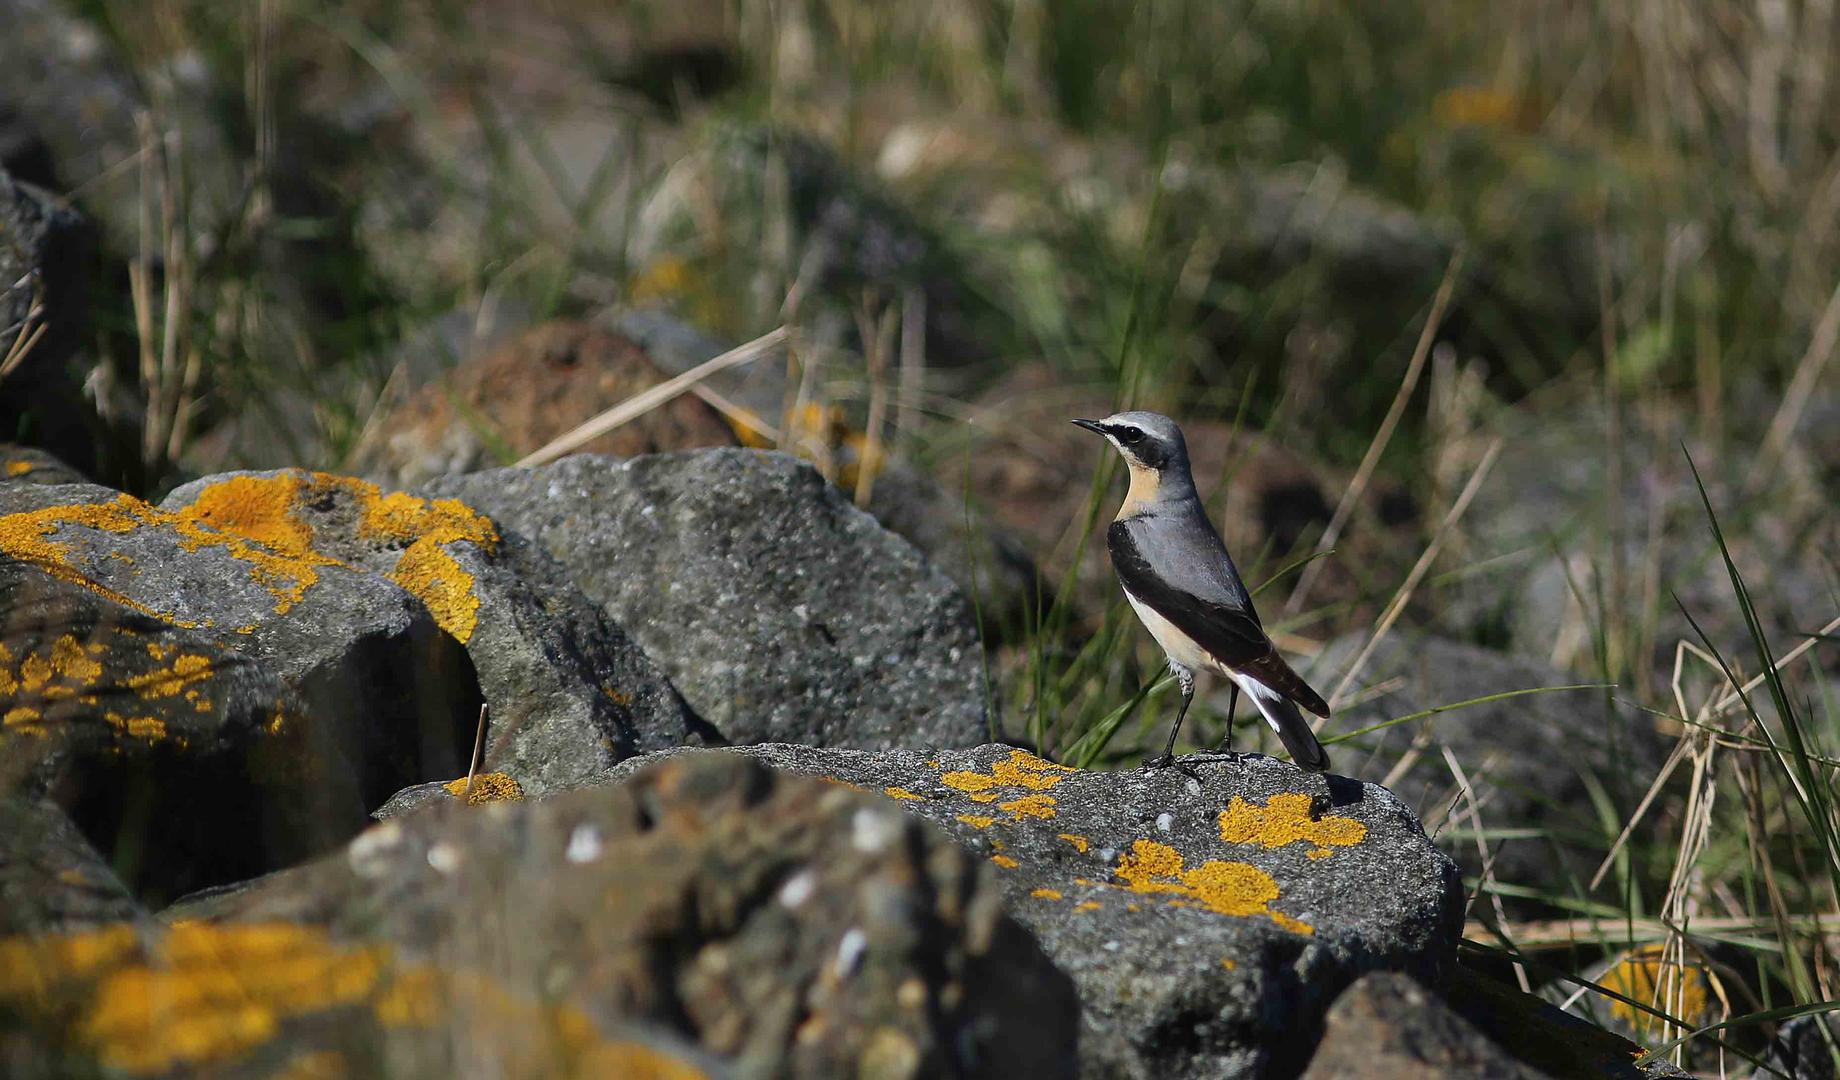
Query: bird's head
x=1147 y=440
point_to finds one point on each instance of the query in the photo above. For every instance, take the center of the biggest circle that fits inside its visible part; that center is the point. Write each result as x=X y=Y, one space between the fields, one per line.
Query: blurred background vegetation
x=1456 y=289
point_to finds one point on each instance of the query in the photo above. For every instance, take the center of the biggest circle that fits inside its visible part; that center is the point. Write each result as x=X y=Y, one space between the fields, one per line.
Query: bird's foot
x=1162 y=761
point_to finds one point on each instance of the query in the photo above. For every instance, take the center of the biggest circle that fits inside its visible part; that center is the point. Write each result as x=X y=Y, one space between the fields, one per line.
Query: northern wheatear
x=1180 y=580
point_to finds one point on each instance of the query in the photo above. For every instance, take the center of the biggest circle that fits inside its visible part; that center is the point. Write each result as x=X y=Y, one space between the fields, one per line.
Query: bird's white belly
x=1180 y=648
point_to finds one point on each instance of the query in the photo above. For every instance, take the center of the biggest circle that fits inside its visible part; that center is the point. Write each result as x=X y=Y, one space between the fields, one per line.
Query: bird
x=1178 y=577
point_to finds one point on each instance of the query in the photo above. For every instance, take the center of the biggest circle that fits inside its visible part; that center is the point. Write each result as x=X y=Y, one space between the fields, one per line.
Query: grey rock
x=1388 y=1027
x=1802 y=1051
x=1526 y=758
x=780 y=611
x=1193 y=912
x=569 y=692
x=30 y=465
x=152 y=736
x=51 y=879
x=792 y=926
x=45 y=249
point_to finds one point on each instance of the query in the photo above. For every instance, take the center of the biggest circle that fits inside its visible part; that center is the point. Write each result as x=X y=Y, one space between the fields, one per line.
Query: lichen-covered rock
x=570 y=693
x=485 y=787
x=1197 y=914
x=30 y=465
x=778 y=609
x=1505 y=747
x=187 y=762
x=792 y=925
x=286 y=1000
x=51 y=879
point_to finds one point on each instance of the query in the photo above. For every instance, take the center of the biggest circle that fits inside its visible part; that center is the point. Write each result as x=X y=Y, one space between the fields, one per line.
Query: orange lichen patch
x=1088 y=905
x=1229 y=963
x=487 y=787
x=24 y=720
x=151 y=728
x=172 y=679
x=30 y=967
x=1030 y=806
x=1226 y=888
x=19 y=468
x=1285 y=819
x=1046 y=894
x=1020 y=770
x=985 y=796
x=433 y=576
x=1651 y=977
x=618 y=697
x=1005 y=862
x=259 y=508
x=977 y=821
x=1080 y=843
x=899 y=793
x=842 y=783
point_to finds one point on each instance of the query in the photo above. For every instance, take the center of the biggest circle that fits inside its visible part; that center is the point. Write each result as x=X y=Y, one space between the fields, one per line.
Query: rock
x=280 y=999
x=780 y=611
x=1543 y=1038
x=569 y=693
x=1193 y=913
x=1388 y=1027
x=45 y=250
x=51 y=879
x=1801 y=1051
x=1506 y=749
x=30 y=465
x=149 y=734
x=517 y=398
x=486 y=787
x=1693 y=992
x=790 y=925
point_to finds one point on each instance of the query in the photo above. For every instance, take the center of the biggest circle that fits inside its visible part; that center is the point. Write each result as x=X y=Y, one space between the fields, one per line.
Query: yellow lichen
x=1046 y=894
x=487 y=787
x=1649 y=976
x=1088 y=905
x=1285 y=819
x=977 y=821
x=899 y=793
x=1004 y=861
x=1030 y=806
x=1080 y=843
x=1229 y=963
x=19 y=468
x=1226 y=888
x=431 y=575
x=1021 y=769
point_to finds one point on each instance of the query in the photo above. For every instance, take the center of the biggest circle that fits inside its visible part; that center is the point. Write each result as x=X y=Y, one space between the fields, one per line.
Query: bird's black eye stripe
x=1131 y=436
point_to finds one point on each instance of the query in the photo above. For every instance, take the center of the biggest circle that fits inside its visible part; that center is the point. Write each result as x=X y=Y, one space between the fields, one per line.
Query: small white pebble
x=1106 y=855
x=584 y=844
x=850 y=952
x=1111 y=946
x=798 y=888
x=872 y=830
x=369 y=853
x=444 y=857
x=1165 y=822
x=1193 y=785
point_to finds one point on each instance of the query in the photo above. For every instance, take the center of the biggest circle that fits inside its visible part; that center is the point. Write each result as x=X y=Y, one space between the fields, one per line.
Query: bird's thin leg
x=1226 y=741
x=1186 y=679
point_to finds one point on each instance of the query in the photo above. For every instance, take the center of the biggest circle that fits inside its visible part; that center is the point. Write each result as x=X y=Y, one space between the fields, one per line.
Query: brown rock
x=517 y=398
x=1388 y=1027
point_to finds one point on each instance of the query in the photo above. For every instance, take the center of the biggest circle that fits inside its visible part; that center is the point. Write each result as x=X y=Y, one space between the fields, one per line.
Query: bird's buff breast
x=1177 y=645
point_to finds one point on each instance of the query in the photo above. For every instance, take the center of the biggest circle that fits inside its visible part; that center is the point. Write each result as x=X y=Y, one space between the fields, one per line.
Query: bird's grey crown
x=1156 y=425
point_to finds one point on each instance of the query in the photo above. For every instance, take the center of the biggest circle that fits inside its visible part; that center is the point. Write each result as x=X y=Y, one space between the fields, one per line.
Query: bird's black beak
x=1091 y=425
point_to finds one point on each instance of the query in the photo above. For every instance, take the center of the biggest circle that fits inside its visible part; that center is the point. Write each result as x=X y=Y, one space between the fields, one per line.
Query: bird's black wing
x=1172 y=575
x=1176 y=565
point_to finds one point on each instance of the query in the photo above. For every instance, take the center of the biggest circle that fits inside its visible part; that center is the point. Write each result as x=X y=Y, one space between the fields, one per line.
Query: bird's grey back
x=1181 y=547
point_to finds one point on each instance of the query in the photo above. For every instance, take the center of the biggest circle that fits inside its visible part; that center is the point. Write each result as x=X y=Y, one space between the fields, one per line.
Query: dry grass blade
x=1417 y=574
x=645 y=401
x=1667 y=769
x=479 y=746
x=1808 y=371
x=30 y=331
x=1564 y=933
x=1487 y=876
x=1363 y=474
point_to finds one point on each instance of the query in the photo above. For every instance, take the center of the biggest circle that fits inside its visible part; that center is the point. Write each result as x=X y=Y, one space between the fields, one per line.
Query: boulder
x=186 y=762
x=1801 y=1051
x=1388 y=1027
x=45 y=250
x=30 y=465
x=1197 y=914
x=51 y=879
x=790 y=925
x=1506 y=748
x=569 y=692
x=288 y=1000
x=779 y=610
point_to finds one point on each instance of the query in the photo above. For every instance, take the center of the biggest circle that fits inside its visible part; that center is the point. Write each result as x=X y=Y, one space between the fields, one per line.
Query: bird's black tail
x=1293 y=730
